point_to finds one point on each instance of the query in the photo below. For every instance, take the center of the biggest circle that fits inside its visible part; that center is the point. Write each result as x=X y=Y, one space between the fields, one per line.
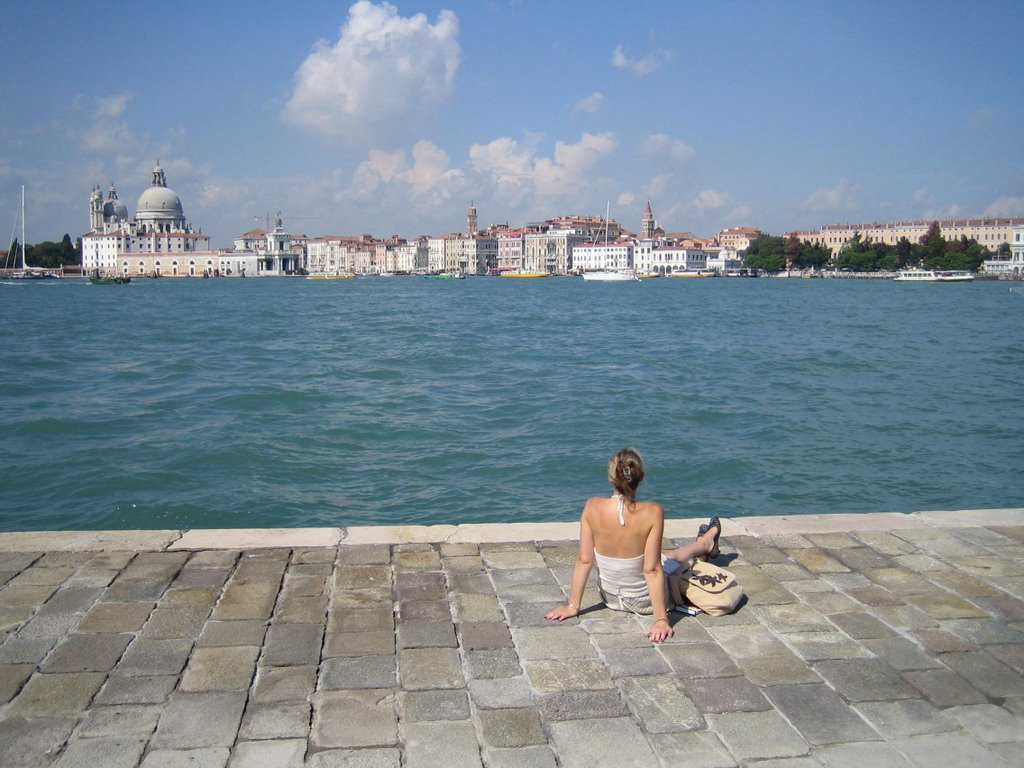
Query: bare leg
x=699 y=548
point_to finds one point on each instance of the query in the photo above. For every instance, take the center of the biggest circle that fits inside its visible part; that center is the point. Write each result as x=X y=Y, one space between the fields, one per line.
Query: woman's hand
x=660 y=632
x=565 y=612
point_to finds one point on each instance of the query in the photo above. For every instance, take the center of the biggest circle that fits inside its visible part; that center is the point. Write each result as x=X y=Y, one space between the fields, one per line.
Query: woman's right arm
x=580 y=573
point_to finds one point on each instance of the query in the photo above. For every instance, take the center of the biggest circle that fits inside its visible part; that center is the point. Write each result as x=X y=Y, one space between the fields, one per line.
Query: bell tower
x=647 y=226
x=471 y=221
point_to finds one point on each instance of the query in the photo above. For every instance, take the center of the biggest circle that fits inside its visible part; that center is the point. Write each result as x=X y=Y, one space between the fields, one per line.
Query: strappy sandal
x=715 y=523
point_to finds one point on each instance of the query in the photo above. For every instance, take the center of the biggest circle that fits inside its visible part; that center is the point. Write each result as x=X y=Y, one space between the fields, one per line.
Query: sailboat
x=605 y=274
x=22 y=272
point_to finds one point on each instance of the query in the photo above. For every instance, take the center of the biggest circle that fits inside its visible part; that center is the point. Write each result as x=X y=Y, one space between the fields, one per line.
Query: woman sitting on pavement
x=623 y=536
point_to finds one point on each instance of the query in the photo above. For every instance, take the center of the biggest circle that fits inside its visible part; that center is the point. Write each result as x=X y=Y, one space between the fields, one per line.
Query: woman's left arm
x=655 y=577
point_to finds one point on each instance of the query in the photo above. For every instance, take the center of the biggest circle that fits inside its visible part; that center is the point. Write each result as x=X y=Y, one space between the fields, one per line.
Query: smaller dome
x=115 y=210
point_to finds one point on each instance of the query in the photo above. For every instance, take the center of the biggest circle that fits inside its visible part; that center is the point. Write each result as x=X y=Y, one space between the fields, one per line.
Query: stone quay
x=875 y=639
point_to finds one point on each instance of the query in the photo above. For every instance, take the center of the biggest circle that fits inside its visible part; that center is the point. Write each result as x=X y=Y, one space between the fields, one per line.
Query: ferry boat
x=523 y=273
x=693 y=273
x=612 y=275
x=933 y=276
x=445 y=276
x=331 y=277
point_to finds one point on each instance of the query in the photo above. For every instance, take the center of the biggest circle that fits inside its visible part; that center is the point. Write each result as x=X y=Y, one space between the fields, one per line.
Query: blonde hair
x=626 y=472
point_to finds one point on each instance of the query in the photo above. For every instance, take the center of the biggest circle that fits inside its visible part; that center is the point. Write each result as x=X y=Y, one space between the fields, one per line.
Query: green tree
x=766 y=253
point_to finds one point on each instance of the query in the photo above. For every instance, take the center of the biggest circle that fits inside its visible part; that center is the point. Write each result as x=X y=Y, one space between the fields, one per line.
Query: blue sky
x=389 y=118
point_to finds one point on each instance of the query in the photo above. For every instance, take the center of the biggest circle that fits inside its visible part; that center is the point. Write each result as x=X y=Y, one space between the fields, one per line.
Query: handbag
x=706 y=586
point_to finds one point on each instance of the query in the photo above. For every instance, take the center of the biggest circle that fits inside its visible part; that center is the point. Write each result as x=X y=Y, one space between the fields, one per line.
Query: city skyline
x=380 y=118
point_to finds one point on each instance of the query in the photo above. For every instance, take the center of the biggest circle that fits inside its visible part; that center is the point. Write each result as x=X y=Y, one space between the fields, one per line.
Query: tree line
x=774 y=254
x=45 y=255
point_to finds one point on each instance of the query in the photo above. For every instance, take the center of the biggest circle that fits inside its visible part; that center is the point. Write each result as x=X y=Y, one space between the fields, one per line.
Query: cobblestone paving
x=880 y=648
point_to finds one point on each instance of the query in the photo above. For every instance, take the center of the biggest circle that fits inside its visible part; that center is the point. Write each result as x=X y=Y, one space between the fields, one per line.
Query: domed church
x=157 y=241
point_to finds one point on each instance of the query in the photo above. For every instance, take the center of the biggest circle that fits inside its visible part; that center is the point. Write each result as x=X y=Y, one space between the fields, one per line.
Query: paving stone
x=283 y=683
x=940 y=641
x=581 y=705
x=276 y=720
x=831 y=603
x=862 y=626
x=521 y=757
x=487 y=665
x=693 y=749
x=726 y=694
x=484 y=635
x=55 y=695
x=744 y=642
x=794 y=617
x=511 y=728
x=426 y=634
x=194 y=720
x=857 y=755
x=817 y=560
x=864 y=679
x=115 y=617
x=944 y=688
x=904 y=717
x=661 y=705
x=55 y=625
x=221 y=669
x=12 y=677
x=385 y=757
x=365 y=643
x=25 y=594
x=148 y=689
x=501 y=693
x=635 y=662
x=354 y=719
x=19 y=650
x=553 y=642
x=346 y=672
x=246 y=601
x=221 y=633
x=988 y=723
x=416 y=706
x=819 y=714
x=699 y=660
x=420 y=668
x=424 y=610
x=380 y=618
x=76 y=599
x=292 y=644
x=122 y=721
x=861 y=558
x=757 y=735
x=109 y=751
x=554 y=675
x=87 y=653
x=477 y=608
x=778 y=669
x=190 y=597
x=422 y=741
x=1012 y=655
x=983 y=631
x=944 y=749
x=472 y=583
x=985 y=673
x=901 y=654
x=815 y=646
x=154 y=657
x=283 y=753
x=26 y=743
x=528 y=615
x=598 y=743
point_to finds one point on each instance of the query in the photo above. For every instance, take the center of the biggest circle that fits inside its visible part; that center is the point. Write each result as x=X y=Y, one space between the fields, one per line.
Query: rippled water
x=222 y=403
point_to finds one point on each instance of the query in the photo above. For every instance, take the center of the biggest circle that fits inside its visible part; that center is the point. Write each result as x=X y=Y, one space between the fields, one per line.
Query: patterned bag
x=706 y=586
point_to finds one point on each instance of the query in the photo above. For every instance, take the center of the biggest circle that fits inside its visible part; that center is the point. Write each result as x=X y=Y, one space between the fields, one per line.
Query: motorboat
x=612 y=275
x=933 y=276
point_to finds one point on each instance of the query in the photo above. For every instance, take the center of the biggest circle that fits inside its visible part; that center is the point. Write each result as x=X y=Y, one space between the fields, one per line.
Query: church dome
x=158 y=203
x=115 y=210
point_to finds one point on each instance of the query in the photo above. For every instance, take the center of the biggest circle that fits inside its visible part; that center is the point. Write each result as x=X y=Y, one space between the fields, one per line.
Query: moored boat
x=445 y=276
x=97 y=279
x=523 y=273
x=933 y=276
x=331 y=277
x=693 y=273
x=612 y=275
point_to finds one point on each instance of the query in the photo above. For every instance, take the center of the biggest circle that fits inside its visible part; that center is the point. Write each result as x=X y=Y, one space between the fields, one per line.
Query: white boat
x=693 y=273
x=611 y=275
x=933 y=276
x=21 y=271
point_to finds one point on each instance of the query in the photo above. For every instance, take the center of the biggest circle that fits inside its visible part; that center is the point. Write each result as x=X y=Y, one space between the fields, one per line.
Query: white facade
x=1013 y=266
x=590 y=257
x=665 y=261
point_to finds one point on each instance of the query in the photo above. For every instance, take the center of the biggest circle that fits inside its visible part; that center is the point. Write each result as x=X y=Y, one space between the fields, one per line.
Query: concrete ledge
x=481 y=533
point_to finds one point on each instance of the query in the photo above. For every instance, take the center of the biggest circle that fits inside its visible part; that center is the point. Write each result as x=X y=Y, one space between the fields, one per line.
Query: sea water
x=184 y=403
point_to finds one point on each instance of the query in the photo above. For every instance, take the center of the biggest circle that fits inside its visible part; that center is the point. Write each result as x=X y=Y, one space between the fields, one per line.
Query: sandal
x=715 y=523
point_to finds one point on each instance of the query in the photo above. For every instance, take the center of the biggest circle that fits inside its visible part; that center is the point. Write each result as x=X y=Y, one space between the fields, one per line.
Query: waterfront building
x=158 y=240
x=665 y=260
x=590 y=257
x=339 y=254
x=262 y=253
x=1011 y=266
x=738 y=239
x=551 y=251
x=510 y=250
x=989 y=232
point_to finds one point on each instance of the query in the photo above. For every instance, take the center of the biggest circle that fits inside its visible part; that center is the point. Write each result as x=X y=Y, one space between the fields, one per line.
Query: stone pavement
x=881 y=640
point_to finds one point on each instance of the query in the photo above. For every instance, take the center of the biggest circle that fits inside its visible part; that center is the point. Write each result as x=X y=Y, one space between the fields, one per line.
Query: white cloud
x=518 y=170
x=109 y=131
x=428 y=175
x=640 y=67
x=595 y=102
x=380 y=78
x=710 y=200
x=625 y=200
x=661 y=146
x=843 y=196
x=1006 y=206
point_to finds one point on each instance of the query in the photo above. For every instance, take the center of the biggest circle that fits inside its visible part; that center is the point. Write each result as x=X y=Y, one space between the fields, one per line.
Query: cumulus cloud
x=427 y=174
x=625 y=200
x=380 y=78
x=710 y=200
x=661 y=146
x=595 y=102
x=640 y=67
x=1006 y=206
x=843 y=196
x=511 y=163
x=108 y=131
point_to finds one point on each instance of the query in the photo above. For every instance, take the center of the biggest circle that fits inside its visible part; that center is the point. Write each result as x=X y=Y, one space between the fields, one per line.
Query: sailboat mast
x=22 y=227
